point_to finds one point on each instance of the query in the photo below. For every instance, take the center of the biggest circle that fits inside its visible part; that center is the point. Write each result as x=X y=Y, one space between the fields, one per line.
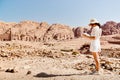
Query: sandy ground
x=51 y=69
x=67 y=67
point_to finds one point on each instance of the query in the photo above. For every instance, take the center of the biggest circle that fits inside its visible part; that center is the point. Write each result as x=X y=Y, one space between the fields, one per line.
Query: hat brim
x=94 y=23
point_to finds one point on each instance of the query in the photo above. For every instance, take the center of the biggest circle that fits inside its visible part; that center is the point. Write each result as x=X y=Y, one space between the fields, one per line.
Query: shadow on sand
x=45 y=75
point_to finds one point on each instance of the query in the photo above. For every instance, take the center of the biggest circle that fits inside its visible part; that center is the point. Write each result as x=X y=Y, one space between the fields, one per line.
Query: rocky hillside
x=109 y=28
x=34 y=31
x=42 y=31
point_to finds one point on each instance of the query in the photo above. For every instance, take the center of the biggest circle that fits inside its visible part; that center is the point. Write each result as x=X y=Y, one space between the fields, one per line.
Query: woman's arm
x=88 y=36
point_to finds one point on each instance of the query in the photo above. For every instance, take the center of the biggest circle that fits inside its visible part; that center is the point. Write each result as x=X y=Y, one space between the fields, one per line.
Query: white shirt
x=95 y=44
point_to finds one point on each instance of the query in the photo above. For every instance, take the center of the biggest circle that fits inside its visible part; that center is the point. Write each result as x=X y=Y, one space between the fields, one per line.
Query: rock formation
x=59 y=32
x=40 y=31
x=24 y=30
x=34 y=31
x=110 y=28
x=5 y=31
x=78 y=31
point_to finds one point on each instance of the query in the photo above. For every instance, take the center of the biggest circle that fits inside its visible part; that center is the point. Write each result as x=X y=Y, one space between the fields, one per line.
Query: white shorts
x=95 y=46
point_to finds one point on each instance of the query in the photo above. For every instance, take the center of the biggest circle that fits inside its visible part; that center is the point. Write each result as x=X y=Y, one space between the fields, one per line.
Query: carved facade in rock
x=59 y=32
x=5 y=31
x=34 y=31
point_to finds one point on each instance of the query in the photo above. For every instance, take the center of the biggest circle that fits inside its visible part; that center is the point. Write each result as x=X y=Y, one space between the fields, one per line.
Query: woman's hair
x=98 y=24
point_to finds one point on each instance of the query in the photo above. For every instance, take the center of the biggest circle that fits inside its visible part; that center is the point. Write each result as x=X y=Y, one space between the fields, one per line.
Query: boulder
x=78 y=31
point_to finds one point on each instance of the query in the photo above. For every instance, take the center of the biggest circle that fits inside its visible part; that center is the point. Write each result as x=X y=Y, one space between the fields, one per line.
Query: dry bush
x=84 y=49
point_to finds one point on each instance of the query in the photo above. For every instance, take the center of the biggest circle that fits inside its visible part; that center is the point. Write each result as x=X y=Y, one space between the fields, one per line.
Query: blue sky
x=69 y=12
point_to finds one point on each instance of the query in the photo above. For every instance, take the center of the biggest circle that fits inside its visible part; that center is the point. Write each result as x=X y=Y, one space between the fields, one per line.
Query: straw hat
x=93 y=21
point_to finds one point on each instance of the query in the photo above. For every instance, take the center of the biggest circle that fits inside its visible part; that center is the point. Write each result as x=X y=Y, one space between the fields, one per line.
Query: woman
x=95 y=47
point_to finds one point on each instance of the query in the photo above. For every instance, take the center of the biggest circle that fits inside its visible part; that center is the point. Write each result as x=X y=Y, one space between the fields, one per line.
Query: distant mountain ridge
x=42 y=31
x=34 y=31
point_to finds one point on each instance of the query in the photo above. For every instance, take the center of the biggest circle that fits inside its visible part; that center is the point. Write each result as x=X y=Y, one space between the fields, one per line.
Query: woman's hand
x=85 y=35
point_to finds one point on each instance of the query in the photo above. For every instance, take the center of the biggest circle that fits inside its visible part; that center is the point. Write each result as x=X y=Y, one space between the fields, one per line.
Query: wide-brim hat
x=93 y=21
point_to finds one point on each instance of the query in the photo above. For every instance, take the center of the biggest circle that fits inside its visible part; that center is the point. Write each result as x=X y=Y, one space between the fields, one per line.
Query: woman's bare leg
x=96 y=58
